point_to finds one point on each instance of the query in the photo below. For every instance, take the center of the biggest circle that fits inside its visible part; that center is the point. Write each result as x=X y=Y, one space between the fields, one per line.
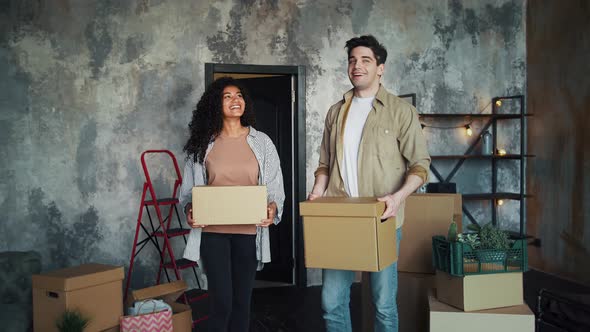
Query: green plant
x=452 y=233
x=71 y=321
x=471 y=239
x=492 y=237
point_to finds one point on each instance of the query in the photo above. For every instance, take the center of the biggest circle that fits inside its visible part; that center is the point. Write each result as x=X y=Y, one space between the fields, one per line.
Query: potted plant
x=71 y=321
x=494 y=244
x=472 y=239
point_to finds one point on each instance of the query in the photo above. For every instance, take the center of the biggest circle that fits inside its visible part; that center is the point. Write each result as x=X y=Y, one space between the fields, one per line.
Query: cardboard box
x=480 y=291
x=412 y=300
x=182 y=319
x=229 y=205
x=94 y=289
x=348 y=234
x=457 y=205
x=444 y=318
x=426 y=215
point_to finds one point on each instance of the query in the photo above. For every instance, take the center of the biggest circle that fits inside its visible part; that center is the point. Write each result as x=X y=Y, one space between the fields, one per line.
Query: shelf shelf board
x=488 y=196
x=471 y=115
x=480 y=156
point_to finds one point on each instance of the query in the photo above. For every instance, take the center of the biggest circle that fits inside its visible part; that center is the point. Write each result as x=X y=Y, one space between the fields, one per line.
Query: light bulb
x=498 y=102
x=500 y=202
x=468 y=130
x=501 y=152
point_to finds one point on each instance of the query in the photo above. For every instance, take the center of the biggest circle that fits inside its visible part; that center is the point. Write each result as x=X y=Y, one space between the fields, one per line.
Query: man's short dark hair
x=371 y=42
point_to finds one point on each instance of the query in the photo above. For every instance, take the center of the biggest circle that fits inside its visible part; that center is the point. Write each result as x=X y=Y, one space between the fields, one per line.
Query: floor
x=291 y=309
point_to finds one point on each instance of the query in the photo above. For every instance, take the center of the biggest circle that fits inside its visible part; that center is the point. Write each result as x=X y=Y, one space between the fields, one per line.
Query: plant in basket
x=494 y=244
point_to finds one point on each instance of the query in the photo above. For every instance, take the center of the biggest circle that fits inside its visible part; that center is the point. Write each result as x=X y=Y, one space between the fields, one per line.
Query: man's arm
x=322 y=172
x=393 y=201
x=412 y=144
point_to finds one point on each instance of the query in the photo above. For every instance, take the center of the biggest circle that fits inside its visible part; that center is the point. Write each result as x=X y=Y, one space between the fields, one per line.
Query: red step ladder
x=162 y=230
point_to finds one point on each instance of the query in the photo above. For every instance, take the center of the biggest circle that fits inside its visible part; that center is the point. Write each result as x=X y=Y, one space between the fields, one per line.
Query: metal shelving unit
x=491 y=121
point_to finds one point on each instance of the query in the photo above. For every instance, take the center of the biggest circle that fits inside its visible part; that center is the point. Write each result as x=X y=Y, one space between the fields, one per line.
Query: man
x=372 y=146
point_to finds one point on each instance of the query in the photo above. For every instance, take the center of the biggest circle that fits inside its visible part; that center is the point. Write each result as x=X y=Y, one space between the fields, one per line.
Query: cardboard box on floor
x=229 y=205
x=445 y=318
x=412 y=300
x=347 y=234
x=182 y=320
x=93 y=289
x=426 y=215
x=480 y=291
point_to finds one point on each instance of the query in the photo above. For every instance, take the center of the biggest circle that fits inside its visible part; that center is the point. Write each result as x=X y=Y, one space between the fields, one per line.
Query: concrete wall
x=86 y=86
x=558 y=47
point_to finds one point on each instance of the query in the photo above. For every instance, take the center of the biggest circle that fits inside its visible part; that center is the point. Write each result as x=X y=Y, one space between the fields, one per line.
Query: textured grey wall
x=559 y=97
x=87 y=85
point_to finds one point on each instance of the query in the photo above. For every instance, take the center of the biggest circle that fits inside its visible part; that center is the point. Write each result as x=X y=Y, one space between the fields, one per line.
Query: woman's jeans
x=230 y=263
x=336 y=297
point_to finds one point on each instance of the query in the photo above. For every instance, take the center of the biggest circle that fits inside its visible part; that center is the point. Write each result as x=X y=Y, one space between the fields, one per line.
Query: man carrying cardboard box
x=372 y=146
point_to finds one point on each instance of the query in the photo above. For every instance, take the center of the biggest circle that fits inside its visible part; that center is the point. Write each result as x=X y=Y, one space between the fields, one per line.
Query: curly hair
x=371 y=42
x=207 y=119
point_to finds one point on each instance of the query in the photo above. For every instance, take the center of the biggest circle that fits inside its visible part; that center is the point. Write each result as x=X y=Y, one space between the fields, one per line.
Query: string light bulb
x=500 y=202
x=501 y=152
x=498 y=102
x=468 y=130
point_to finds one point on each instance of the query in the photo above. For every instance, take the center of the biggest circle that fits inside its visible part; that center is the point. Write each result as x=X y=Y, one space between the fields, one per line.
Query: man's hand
x=189 y=217
x=319 y=187
x=392 y=204
x=271 y=212
x=313 y=196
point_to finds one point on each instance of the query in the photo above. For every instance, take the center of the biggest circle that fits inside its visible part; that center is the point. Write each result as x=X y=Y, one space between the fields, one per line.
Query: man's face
x=363 y=70
x=233 y=102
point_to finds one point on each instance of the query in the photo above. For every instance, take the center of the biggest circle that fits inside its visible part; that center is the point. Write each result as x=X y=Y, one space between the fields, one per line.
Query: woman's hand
x=271 y=212
x=189 y=217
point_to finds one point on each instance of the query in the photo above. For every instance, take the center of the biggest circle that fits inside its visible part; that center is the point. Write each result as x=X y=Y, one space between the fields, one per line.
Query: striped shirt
x=270 y=175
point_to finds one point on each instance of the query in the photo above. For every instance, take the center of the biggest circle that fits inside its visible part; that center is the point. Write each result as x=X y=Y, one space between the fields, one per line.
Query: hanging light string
x=467 y=125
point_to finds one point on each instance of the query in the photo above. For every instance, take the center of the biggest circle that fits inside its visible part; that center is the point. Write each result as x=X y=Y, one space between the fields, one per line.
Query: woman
x=225 y=150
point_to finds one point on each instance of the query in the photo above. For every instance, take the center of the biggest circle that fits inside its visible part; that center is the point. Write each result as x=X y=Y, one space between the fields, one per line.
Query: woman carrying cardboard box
x=225 y=150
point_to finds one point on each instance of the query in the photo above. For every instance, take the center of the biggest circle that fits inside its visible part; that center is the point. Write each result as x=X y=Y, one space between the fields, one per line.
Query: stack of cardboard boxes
x=95 y=290
x=426 y=215
x=477 y=298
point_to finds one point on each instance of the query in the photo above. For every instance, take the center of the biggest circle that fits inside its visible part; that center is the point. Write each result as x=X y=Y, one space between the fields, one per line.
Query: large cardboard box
x=480 y=291
x=412 y=300
x=426 y=215
x=229 y=205
x=93 y=289
x=348 y=234
x=444 y=318
x=182 y=320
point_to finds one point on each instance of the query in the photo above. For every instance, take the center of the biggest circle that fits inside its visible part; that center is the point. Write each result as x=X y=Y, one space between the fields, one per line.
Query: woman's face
x=233 y=102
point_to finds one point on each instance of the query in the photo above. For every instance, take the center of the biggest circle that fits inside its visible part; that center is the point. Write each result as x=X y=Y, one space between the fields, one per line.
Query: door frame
x=299 y=153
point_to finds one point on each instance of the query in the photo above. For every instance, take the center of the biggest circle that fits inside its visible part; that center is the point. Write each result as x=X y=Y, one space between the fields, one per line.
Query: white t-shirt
x=353 y=130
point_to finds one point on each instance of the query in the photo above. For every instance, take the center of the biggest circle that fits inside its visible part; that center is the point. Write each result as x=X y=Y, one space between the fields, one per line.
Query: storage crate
x=461 y=259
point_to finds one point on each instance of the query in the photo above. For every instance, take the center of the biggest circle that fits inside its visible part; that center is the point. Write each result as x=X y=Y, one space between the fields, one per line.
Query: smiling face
x=363 y=71
x=233 y=102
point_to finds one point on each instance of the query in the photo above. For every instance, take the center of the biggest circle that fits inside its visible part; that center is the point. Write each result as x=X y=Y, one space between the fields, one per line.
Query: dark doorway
x=277 y=93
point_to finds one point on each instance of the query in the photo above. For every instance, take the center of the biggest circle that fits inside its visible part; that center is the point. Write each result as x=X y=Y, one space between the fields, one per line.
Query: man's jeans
x=336 y=297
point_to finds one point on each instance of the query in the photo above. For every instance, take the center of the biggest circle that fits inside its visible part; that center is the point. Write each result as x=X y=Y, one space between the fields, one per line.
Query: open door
x=279 y=114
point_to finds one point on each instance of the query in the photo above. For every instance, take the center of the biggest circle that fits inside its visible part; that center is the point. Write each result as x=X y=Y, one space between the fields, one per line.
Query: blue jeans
x=336 y=297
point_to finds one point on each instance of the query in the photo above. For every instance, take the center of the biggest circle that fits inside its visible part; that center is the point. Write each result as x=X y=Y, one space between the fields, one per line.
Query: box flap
x=343 y=207
x=168 y=292
x=78 y=277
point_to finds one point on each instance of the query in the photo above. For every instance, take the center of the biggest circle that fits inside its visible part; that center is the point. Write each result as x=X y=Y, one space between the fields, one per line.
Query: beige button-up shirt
x=392 y=146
